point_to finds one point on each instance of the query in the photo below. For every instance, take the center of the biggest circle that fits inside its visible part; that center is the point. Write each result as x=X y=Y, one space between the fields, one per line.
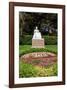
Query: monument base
x=38 y=43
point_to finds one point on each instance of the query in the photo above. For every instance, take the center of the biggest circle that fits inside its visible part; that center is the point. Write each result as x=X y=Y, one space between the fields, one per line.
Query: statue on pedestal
x=37 y=40
x=37 y=34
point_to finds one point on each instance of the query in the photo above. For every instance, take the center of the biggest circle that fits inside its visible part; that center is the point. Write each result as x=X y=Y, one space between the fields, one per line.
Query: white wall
x=4 y=44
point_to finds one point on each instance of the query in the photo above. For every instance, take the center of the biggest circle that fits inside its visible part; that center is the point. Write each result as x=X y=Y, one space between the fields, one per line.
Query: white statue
x=37 y=34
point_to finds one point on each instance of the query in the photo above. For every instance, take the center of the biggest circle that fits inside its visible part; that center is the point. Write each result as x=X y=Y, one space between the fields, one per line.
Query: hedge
x=27 y=40
x=50 y=40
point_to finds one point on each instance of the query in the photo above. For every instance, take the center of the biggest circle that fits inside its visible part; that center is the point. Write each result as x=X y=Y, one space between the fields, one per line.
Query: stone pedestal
x=38 y=43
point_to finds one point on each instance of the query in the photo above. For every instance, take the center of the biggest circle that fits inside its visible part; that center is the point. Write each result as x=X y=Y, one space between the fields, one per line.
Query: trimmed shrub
x=27 y=40
x=50 y=40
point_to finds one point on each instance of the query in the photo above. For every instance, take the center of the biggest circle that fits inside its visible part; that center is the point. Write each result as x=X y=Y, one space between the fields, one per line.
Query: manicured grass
x=28 y=70
x=23 y=49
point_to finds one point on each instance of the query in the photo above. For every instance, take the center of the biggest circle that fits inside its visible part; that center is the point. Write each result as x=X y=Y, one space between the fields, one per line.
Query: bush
x=50 y=40
x=27 y=40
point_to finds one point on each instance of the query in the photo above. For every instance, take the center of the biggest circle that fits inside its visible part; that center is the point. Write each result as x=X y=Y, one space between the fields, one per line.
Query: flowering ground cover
x=38 y=62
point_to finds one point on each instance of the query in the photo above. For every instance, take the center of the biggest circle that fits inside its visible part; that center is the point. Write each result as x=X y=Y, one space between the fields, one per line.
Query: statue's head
x=36 y=28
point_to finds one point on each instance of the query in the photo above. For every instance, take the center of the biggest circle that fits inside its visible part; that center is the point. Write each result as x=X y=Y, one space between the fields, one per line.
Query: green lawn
x=28 y=70
x=23 y=49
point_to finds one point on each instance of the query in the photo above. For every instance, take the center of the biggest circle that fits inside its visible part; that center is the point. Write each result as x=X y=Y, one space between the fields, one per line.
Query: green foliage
x=28 y=70
x=23 y=49
x=47 y=71
x=28 y=21
x=55 y=69
x=50 y=40
x=27 y=40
